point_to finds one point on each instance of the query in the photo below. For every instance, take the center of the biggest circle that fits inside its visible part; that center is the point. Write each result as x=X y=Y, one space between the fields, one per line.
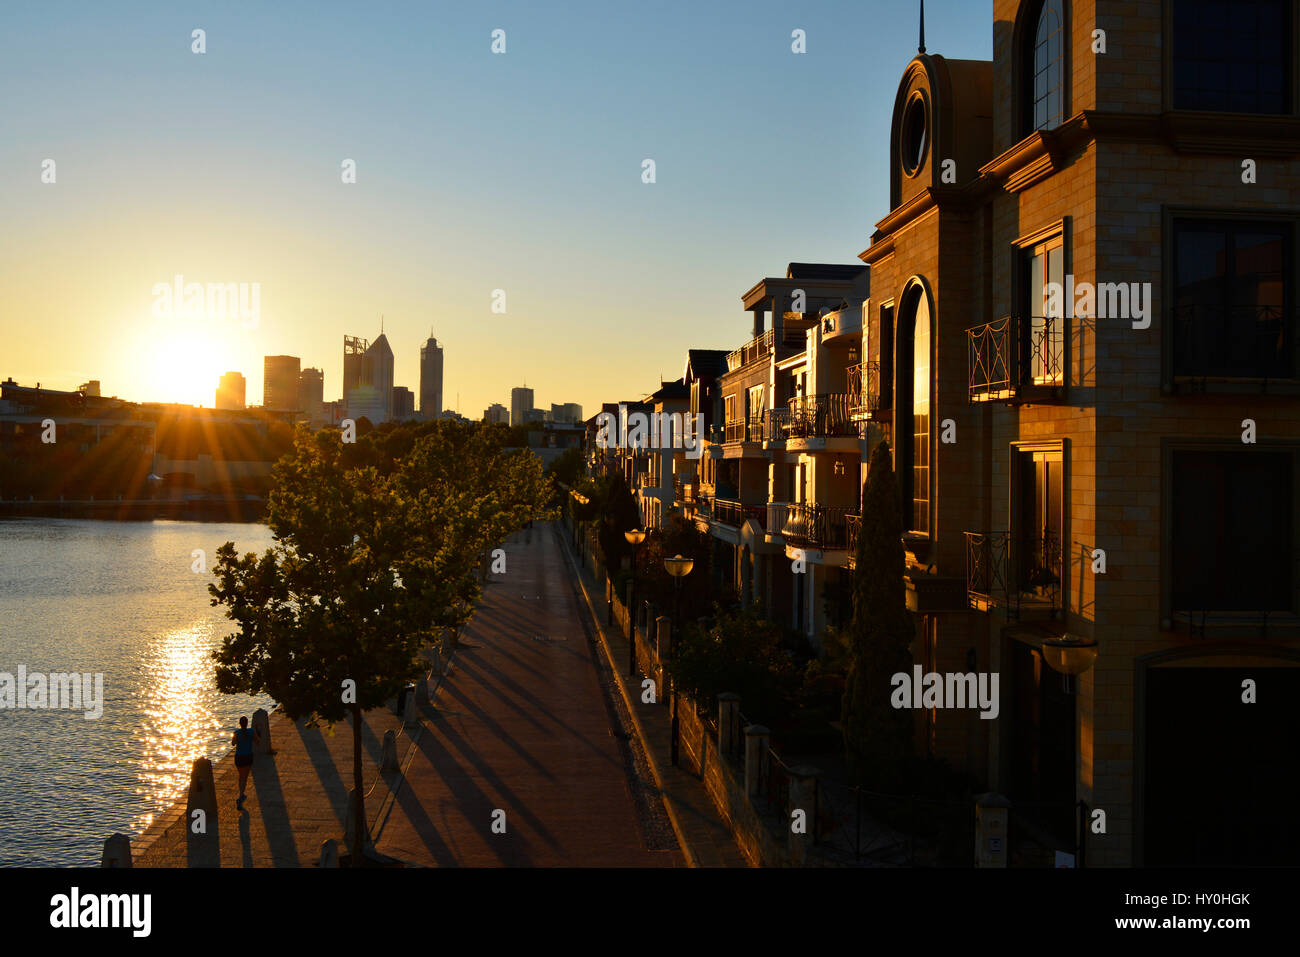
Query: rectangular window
x=1043 y=340
x=1233 y=537
x=1233 y=294
x=1039 y=517
x=1232 y=56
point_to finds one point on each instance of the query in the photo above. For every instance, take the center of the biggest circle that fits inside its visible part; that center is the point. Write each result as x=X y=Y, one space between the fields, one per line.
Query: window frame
x=1018 y=452
x=1025 y=43
x=1170 y=382
x=1291 y=86
x=1243 y=624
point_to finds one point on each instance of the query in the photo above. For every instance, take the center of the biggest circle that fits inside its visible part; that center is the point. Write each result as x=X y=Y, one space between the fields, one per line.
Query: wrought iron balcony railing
x=760 y=347
x=864 y=387
x=821 y=416
x=1015 y=358
x=817 y=526
x=776 y=515
x=1004 y=570
x=1234 y=342
x=731 y=512
x=853 y=524
x=736 y=431
x=775 y=422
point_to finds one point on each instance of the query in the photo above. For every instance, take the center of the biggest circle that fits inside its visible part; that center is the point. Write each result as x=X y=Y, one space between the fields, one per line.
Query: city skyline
x=222 y=196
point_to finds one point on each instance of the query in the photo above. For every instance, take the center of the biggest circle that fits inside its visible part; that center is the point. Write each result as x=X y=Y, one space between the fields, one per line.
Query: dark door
x=1222 y=777
x=1042 y=769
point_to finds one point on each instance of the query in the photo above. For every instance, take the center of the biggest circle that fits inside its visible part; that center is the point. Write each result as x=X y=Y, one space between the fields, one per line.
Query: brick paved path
x=522 y=725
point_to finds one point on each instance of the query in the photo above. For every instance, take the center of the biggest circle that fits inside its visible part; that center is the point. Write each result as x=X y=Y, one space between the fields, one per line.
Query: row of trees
x=378 y=553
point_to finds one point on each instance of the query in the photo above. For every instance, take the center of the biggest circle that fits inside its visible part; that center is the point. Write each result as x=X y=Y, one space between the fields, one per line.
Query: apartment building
x=1079 y=336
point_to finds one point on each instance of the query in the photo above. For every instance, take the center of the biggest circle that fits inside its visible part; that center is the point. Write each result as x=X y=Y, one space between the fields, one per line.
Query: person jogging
x=243 y=740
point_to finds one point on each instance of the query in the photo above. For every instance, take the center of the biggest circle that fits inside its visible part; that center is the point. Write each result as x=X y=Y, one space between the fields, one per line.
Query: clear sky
x=475 y=172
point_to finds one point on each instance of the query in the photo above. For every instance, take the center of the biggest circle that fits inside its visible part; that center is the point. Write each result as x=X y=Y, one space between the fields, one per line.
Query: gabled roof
x=669 y=391
x=704 y=362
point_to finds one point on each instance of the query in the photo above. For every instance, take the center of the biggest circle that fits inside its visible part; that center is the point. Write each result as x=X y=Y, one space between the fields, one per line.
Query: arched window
x=1046 y=67
x=921 y=417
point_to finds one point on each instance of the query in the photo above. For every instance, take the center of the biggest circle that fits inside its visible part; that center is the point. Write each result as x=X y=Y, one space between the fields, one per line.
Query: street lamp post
x=679 y=568
x=635 y=537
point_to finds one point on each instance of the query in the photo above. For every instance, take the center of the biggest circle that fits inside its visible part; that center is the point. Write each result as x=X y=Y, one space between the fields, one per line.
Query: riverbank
x=141 y=510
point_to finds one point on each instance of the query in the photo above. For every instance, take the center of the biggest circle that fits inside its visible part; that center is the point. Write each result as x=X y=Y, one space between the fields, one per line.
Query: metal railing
x=760 y=347
x=1004 y=570
x=1014 y=354
x=754 y=430
x=776 y=516
x=1244 y=342
x=864 y=388
x=852 y=525
x=731 y=512
x=819 y=526
x=893 y=830
x=775 y=422
x=736 y=431
x=821 y=416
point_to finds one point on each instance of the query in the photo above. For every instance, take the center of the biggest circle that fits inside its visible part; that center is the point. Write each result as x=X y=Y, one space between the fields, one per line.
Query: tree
x=619 y=513
x=877 y=736
x=374 y=557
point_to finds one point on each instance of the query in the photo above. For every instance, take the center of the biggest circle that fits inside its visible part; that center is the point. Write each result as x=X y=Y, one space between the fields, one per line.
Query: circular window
x=914 y=140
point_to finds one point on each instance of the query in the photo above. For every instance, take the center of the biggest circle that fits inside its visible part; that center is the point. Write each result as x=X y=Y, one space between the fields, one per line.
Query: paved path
x=523 y=725
x=297 y=798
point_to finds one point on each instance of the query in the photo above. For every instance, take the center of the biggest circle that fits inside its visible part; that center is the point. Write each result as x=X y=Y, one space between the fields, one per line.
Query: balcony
x=865 y=396
x=821 y=416
x=733 y=513
x=735 y=431
x=776 y=516
x=852 y=524
x=775 y=422
x=1015 y=574
x=760 y=347
x=822 y=527
x=1016 y=359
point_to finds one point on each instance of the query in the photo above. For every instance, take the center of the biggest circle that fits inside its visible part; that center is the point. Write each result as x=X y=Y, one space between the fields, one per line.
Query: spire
x=921 y=48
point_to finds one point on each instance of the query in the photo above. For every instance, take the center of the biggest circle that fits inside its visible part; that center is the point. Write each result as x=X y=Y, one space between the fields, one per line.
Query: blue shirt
x=244 y=741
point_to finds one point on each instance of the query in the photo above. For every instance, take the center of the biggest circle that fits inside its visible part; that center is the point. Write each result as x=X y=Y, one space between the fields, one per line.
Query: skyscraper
x=354 y=351
x=521 y=402
x=372 y=397
x=311 y=392
x=496 y=412
x=403 y=403
x=230 y=391
x=280 y=383
x=430 y=379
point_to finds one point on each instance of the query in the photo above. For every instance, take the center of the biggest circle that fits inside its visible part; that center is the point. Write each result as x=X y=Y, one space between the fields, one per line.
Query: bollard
x=991 y=812
x=388 y=762
x=262 y=725
x=201 y=842
x=803 y=797
x=756 y=744
x=410 y=710
x=422 y=690
x=728 y=718
x=117 y=852
x=329 y=853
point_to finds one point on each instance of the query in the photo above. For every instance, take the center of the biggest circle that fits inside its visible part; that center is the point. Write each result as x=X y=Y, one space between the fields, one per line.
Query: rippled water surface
x=119 y=598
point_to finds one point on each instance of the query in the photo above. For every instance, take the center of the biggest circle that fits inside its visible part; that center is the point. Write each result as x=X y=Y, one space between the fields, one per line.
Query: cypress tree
x=878 y=737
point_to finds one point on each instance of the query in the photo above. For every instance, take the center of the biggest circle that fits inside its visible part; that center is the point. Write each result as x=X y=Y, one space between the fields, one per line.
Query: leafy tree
x=877 y=736
x=740 y=652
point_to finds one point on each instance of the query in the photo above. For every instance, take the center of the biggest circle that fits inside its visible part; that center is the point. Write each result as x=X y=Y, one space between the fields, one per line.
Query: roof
x=669 y=390
x=701 y=363
x=823 y=271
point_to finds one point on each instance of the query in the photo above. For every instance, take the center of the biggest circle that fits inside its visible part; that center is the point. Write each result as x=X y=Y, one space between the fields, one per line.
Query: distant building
x=280 y=383
x=311 y=394
x=372 y=397
x=230 y=391
x=89 y=388
x=496 y=412
x=566 y=413
x=521 y=401
x=403 y=403
x=430 y=379
x=534 y=415
x=354 y=352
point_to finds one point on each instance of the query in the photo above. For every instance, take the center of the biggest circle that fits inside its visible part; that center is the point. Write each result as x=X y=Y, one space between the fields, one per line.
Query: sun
x=184 y=362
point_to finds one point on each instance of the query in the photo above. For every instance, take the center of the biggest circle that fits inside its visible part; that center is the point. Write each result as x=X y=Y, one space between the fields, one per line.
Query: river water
x=119 y=599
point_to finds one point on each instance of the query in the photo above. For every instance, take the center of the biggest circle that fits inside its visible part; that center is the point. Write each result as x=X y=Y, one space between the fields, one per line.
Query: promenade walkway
x=524 y=725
